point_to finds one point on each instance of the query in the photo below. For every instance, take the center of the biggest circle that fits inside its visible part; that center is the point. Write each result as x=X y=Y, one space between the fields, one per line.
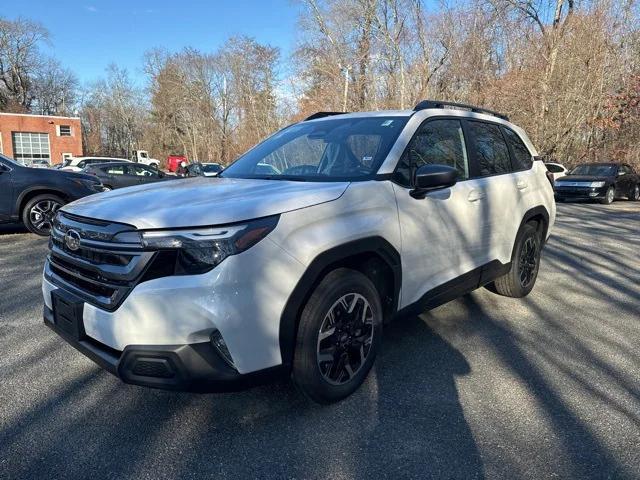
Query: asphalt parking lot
x=483 y=387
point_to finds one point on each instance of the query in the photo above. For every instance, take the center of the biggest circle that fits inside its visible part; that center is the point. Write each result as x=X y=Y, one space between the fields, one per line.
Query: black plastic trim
x=426 y=104
x=456 y=287
x=314 y=274
x=195 y=367
x=322 y=115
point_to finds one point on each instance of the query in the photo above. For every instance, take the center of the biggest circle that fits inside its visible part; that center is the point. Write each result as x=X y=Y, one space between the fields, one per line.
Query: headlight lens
x=597 y=184
x=201 y=249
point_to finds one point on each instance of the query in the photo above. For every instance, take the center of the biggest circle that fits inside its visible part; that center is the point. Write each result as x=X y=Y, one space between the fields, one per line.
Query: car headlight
x=597 y=184
x=198 y=250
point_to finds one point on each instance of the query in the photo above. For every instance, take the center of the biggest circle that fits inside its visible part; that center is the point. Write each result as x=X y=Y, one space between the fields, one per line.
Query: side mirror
x=432 y=177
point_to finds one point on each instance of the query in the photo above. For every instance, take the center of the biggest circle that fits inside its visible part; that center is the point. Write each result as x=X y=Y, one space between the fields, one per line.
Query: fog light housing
x=593 y=194
x=218 y=343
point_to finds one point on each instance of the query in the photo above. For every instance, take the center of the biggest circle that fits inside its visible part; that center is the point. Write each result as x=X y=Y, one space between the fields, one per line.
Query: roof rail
x=322 y=115
x=424 y=104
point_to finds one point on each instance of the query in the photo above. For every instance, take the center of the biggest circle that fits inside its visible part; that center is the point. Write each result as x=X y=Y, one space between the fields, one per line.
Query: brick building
x=26 y=137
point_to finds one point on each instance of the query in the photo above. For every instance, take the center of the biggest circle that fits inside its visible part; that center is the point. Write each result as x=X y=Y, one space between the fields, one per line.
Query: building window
x=28 y=147
x=64 y=130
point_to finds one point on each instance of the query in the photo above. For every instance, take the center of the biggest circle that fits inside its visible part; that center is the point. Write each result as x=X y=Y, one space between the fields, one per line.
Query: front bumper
x=580 y=193
x=195 y=367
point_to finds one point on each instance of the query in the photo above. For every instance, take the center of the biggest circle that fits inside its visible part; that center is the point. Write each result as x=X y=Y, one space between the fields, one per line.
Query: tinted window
x=595 y=170
x=522 y=158
x=211 y=168
x=554 y=168
x=436 y=142
x=115 y=170
x=491 y=150
x=137 y=170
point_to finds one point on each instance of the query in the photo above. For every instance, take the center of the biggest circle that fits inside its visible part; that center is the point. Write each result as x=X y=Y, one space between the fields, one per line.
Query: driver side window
x=436 y=142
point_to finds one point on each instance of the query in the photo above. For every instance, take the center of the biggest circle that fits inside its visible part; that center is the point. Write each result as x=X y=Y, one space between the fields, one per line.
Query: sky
x=86 y=36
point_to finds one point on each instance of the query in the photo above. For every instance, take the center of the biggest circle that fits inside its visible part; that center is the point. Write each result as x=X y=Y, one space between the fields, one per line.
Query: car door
x=7 y=194
x=442 y=232
x=142 y=174
x=132 y=175
x=624 y=180
x=113 y=176
x=499 y=188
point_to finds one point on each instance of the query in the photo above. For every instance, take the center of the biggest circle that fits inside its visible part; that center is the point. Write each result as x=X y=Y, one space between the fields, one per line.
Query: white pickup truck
x=142 y=156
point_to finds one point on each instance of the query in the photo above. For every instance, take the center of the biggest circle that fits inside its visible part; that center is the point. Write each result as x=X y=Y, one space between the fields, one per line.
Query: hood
x=203 y=201
x=584 y=178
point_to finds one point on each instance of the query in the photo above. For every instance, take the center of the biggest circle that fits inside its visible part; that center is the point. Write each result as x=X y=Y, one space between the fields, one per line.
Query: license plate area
x=67 y=313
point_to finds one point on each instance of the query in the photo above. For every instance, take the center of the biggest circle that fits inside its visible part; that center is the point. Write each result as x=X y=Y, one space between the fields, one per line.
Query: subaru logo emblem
x=72 y=240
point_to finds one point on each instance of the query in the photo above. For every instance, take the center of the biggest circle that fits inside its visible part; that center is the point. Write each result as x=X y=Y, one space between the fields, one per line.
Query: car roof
x=605 y=164
x=112 y=164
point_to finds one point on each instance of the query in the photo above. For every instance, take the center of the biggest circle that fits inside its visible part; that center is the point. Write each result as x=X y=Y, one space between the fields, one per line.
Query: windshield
x=328 y=150
x=594 y=170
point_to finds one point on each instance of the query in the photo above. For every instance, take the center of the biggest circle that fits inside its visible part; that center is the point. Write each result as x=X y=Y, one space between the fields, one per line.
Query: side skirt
x=455 y=288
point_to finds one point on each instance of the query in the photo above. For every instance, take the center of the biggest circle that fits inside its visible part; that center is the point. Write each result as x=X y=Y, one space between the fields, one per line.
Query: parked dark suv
x=33 y=195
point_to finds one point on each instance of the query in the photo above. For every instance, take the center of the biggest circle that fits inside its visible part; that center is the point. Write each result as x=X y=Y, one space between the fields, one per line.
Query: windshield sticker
x=387 y=123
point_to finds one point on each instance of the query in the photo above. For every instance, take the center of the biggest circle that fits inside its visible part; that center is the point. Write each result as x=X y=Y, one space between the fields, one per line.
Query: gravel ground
x=483 y=386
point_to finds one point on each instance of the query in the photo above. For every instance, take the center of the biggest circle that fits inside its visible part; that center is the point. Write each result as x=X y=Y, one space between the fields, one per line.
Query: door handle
x=475 y=195
x=521 y=185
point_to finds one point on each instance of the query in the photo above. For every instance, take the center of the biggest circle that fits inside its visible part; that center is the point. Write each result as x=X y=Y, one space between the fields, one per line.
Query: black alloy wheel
x=338 y=337
x=39 y=212
x=528 y=261
x=345 y=338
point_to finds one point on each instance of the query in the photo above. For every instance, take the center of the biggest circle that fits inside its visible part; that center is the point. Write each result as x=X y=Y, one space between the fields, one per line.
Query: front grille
x=93 y=288
x=102 y=269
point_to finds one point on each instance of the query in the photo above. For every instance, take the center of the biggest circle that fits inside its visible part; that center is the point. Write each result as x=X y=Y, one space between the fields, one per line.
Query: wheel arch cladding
x=30 y=193
x=540 y=215
x=373 y=256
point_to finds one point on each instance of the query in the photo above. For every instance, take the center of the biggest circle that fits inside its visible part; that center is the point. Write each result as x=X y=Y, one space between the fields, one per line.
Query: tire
x=107 y=188
x=345 y=340
x=525 y=263
x=635 y=193
x=609 y=196
x=38 y=213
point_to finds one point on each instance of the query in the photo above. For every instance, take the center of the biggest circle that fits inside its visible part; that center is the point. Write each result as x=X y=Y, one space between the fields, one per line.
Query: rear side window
x=115 y=170
x=522 y=158
x=491 y=150
x=436 y=142
x=554 y=168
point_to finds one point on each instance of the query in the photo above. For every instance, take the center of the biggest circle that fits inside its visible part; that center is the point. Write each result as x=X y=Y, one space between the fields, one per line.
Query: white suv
x=292 y=259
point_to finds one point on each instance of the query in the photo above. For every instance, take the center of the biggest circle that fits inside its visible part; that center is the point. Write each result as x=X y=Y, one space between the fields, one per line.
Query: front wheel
x=521 y=278
x=609 y=197
x=38 y=213
x=338 y=337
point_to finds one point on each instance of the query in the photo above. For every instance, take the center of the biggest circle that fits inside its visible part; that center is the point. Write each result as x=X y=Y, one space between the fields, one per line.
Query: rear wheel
x=635 y=193
x=521 y=278
x=610 y=196
x=338 y=337
x=38 y=213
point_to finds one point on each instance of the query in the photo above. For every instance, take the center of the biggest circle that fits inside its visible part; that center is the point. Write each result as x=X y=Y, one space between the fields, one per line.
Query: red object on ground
x=173 y=162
